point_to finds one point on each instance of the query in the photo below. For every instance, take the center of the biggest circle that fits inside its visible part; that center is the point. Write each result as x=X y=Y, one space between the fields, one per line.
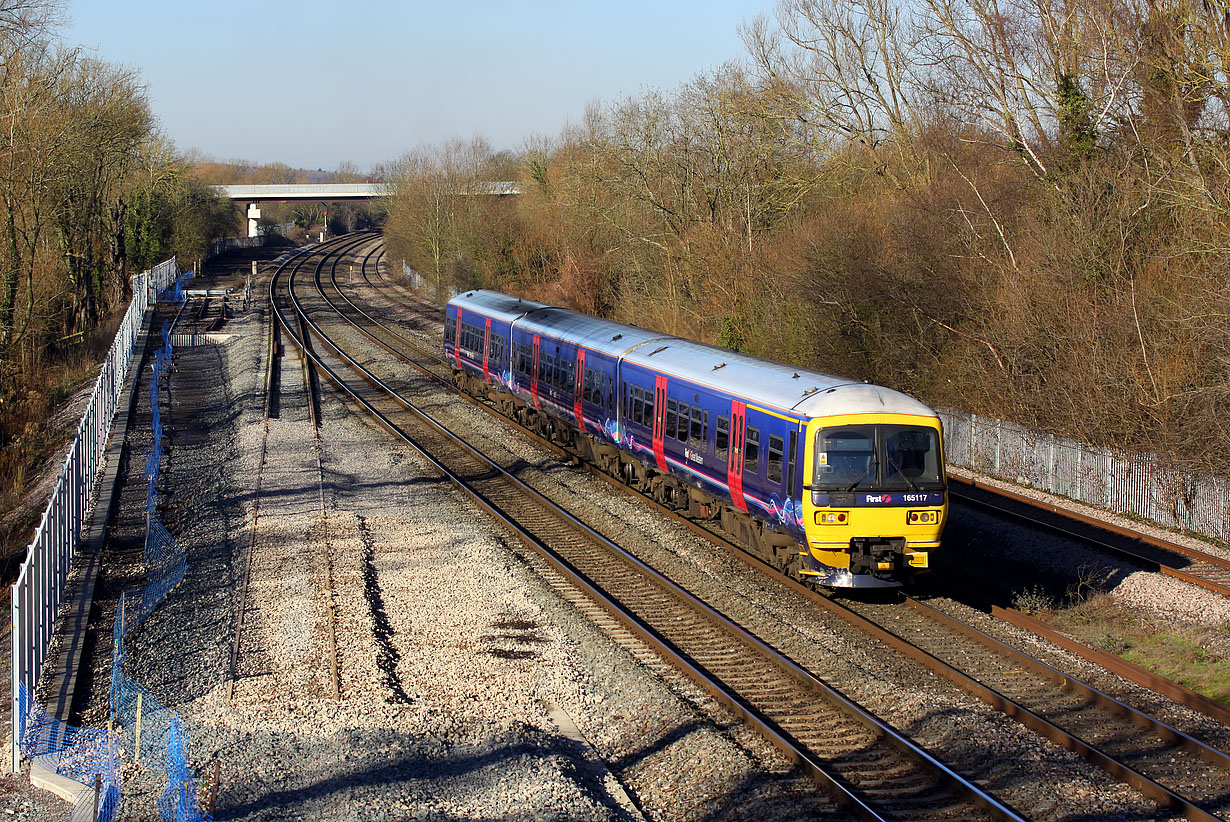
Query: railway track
x=247 y=657
x=1191 y=565
x=859 y=760
x=1176 y=771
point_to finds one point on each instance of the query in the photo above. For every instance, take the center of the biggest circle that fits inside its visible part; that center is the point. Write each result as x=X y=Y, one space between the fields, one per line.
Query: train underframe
x=777 y=548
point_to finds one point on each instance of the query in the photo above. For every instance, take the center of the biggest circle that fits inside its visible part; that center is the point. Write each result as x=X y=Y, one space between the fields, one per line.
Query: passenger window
x=697 y=427
x=592 y=382
x=722 y=438
x=671 y=408
x=638 y=405
x=751 y=450
x=775 y=459
x=450 y=328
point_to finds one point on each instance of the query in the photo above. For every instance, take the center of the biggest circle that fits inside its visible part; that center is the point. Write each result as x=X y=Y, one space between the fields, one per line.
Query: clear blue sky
x=237 y=79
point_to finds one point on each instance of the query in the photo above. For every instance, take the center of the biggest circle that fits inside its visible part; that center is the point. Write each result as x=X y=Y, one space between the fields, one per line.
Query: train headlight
x=832 y=517
x=922 y=517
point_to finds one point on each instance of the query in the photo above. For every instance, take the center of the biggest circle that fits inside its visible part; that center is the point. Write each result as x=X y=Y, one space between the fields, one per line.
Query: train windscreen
x=877 y=457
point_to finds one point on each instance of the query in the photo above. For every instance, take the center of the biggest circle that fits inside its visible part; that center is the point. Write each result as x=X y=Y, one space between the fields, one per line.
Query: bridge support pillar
x=254 y=214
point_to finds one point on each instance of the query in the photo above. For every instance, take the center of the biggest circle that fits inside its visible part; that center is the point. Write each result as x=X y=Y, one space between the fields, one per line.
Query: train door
x=534 y=371
x=659 y=422
x=487 y=351
x=792 y=464
x=792 y=478
x=578 y=384
x=734 y=467
x=457 y=339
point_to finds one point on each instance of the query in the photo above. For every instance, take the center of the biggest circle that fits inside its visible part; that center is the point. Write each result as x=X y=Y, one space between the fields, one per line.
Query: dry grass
x=1192 y=655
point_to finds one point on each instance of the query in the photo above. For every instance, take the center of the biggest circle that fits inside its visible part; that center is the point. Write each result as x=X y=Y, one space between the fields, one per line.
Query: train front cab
x=875 y=501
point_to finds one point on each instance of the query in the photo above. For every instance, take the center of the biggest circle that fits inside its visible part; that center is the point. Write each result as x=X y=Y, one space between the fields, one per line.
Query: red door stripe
x=534 y=374
x=734 y=469
x=659 y=422
x=487 y=350
x=577 y=385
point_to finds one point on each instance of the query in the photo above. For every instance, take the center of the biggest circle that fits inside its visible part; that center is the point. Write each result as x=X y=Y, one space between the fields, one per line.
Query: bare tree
x=841 y=70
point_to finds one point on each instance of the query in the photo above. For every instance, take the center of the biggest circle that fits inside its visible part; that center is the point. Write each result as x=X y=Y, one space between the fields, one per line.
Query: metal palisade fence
x=1140 y=485
x=36 y=596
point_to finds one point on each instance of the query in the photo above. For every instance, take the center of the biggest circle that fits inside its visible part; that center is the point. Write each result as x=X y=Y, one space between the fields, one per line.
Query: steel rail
x=272 y=383
x=1214 y=577
x=401 y=293
x=1117 y=665
x=1138 y=781
x=1133 y=777
x=272 y=351
x=634 y=623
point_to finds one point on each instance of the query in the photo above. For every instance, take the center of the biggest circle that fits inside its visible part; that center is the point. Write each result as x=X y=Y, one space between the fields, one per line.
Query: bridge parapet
x=343 y=191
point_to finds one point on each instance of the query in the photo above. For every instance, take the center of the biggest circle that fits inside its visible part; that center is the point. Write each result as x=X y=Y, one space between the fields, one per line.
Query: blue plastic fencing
x=88 y=755
x=43 y=580
x=175 y=293
x=92 y=757
x=155 y=739
x=157 y=742
x=179 y=800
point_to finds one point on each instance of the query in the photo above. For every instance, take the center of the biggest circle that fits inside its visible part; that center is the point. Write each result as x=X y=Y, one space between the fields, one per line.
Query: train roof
x=496 y=305
x=808 y=393
x=594 y=333
x=611 y=338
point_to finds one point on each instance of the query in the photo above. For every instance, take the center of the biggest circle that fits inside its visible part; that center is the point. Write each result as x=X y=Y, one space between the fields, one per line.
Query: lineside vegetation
x=90 y=194
x=1017 y=209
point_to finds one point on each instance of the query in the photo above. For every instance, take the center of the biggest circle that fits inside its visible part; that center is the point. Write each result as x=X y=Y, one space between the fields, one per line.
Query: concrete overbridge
x=327 y=192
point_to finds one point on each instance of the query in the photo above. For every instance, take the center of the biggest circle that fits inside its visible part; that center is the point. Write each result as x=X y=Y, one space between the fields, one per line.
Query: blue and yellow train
x=838 y=482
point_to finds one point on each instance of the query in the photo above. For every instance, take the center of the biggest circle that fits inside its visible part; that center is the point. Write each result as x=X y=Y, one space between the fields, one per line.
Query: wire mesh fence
x=1139 y=485
x=89 y=756
x=42 y=578
x=92 y=757
x=156 y=741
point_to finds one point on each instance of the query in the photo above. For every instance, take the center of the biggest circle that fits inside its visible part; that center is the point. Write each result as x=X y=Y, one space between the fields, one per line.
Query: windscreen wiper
x=861 y=477
x=901 y=473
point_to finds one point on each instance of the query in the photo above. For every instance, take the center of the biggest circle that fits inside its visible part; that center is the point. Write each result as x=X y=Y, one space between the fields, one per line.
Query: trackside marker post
x=137 y=755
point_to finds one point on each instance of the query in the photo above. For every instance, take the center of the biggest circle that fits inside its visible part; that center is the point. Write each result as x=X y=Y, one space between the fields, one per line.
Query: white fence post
x=1135 y=491
x=36 y=595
